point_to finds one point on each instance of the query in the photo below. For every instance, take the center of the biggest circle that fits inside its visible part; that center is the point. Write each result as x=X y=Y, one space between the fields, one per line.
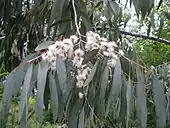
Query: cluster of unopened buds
x=65 y=50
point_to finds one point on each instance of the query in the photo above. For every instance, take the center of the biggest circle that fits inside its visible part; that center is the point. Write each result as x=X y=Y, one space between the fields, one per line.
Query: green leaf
x=160 y=102
x=41 y=82
x=141 y=99
x=44 y=45
x=115 y=90
x=54 y=96
x=62 y=77
x=91 y=75
x=129 y=101
x=24 y=96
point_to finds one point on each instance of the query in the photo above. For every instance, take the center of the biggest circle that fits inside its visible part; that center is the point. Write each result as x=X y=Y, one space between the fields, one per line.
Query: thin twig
x=75 y=17
x=133 y=61
x=167 y=42
x=34 y=59
x=92 y=109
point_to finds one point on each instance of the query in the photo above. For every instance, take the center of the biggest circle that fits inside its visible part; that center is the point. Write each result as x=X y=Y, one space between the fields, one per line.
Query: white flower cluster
x=81 y=76
x=106 y=48
x=63 y=49
x=78 y=57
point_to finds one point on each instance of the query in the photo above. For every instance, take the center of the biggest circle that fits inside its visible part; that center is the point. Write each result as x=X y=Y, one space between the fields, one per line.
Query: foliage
x=154 y=53
x=96 y=86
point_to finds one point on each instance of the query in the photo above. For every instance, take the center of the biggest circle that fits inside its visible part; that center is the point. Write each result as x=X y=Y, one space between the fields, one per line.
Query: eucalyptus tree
x=83 y=68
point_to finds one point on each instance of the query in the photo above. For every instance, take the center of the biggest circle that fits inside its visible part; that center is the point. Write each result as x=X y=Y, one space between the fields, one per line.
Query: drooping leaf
x=91 y=75
x=11 y=88
x=160 y=102
x=86 y=21
x=123 y=107
x=44 y=45
x=136 y=5
x=102 y=91
x=54 y=96
x=91 y=100
x=115 y=8
x=141 y=99
x=56 y=12
x=81 y=8
x=61 y=102
x=115 y=89
x=24 y=97
x=73 y=112
x=81 y=119
x=90 y=55
x=46 y=95
x=62 y=76
x=41 y=82
x=23 y=120
x=129 y=102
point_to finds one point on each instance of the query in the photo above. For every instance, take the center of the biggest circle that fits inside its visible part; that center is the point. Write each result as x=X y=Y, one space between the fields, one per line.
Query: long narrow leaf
x=103 y=85
x=62 y=76
x=11 y=87
x=129 y=101
x=24 y=97
x=56 y=12
x=91 y=75
x=160 y=103
x=81 y=119
x=115 y=88
x=141 y=99
x=54 y=96
x=41 y=82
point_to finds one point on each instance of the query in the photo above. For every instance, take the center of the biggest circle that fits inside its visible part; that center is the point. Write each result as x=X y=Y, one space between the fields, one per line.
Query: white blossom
x=79 y=83
x=77 y=61
x=74 y=39
x=44 y=56
x=121 y=52
x=79 y=52
x=80 y=95
x=112 y=62
x=113 y=43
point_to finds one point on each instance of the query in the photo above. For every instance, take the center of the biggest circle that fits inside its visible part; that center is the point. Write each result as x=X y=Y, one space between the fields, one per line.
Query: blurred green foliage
x=154 y=53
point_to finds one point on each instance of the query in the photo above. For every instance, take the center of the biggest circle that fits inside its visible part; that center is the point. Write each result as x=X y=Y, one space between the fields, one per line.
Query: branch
x=167 y=42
